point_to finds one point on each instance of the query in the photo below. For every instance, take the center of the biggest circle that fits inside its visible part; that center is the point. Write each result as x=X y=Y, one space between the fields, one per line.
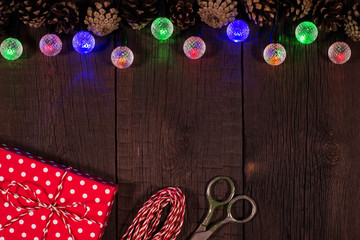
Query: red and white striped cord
x=148 y=217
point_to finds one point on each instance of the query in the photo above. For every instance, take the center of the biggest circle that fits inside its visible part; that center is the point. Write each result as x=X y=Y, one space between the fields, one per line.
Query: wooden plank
x=62 y=107
x=179 y=123
x=301 y=125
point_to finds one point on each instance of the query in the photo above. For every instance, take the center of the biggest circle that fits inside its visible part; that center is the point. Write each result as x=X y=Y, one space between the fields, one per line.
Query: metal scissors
x=203 y=233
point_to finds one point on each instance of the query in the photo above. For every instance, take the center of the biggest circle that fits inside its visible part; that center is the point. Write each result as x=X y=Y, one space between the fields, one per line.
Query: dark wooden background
x=288 y=136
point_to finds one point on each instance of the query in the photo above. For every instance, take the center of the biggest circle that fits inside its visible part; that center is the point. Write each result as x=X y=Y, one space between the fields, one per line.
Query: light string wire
x=275 y=26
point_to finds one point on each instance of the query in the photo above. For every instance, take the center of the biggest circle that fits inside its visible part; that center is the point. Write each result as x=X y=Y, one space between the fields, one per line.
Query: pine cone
x=64 y=16
x=102 y=19
x=33 y=12
x=138 y=13
x=217 y=13
x=261 y=12
x=329 y=14
x=9 y=6
x=182 y=14
x=296 y=9
x=352 y=23
x=5 y=11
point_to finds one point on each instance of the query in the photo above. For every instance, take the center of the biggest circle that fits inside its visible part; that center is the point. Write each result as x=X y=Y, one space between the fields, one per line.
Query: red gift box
x=40 y=199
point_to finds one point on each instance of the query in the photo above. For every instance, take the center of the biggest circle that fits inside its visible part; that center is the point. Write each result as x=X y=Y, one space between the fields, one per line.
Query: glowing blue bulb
x=238 y=31
x=83 y=42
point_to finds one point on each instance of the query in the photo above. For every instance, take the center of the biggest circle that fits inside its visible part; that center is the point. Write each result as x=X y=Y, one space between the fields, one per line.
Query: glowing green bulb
x=306 y=32
x=162 y=28
x=11 y=48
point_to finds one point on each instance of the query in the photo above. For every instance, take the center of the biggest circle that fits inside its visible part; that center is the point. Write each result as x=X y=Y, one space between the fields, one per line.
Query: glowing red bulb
x=340 y=57
x=194 y=47
x=48 y=48
x=339 y=52
x=194 y=52
x=50 y=45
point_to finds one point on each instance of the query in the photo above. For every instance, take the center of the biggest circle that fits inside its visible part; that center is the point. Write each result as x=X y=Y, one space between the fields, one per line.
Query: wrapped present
x=40 y=199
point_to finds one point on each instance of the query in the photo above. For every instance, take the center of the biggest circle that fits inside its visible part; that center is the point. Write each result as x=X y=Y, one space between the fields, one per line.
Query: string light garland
x=122 y=57
x=194 y=47
x=83 y=42
x=11 y=49
x=306 y=32
x=274 y=54
x=238 y=31
x=162 y=28
x=339 y=52
x=50 y=45
x=148 y=218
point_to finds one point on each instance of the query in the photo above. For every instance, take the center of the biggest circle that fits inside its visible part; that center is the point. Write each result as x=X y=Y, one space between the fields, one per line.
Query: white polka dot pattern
x=43 y=177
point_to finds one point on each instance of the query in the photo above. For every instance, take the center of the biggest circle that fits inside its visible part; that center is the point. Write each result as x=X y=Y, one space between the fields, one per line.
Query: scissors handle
x=230 y=217
x=237 y=198
x=213 y=204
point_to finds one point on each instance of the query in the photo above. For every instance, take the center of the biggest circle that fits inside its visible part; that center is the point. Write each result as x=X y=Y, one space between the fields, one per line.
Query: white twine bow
x=62 y=211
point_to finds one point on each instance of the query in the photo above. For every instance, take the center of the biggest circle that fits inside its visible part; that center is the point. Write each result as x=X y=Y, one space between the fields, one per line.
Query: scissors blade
x=201 y=235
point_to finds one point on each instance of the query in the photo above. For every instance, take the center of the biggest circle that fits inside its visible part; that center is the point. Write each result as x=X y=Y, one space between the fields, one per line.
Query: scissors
x=203 y=233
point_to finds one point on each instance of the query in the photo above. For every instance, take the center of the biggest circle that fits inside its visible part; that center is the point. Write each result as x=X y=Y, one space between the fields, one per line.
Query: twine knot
x=60 y=210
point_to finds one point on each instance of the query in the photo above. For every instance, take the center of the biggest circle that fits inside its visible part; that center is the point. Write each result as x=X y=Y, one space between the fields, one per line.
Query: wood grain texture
x=179 y=124
x=301 y=135
x=288 y=136
x=62 y=107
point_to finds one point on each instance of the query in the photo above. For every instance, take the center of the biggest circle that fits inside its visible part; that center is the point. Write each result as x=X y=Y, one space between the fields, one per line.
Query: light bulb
x=306 y=32
x=194 y=47
x=83 y=42
x=339 y=52
x=238 y=31
x=274 y=54
x=50 y=45
x=162 y=28
x=11 y=49
x=122 y=57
